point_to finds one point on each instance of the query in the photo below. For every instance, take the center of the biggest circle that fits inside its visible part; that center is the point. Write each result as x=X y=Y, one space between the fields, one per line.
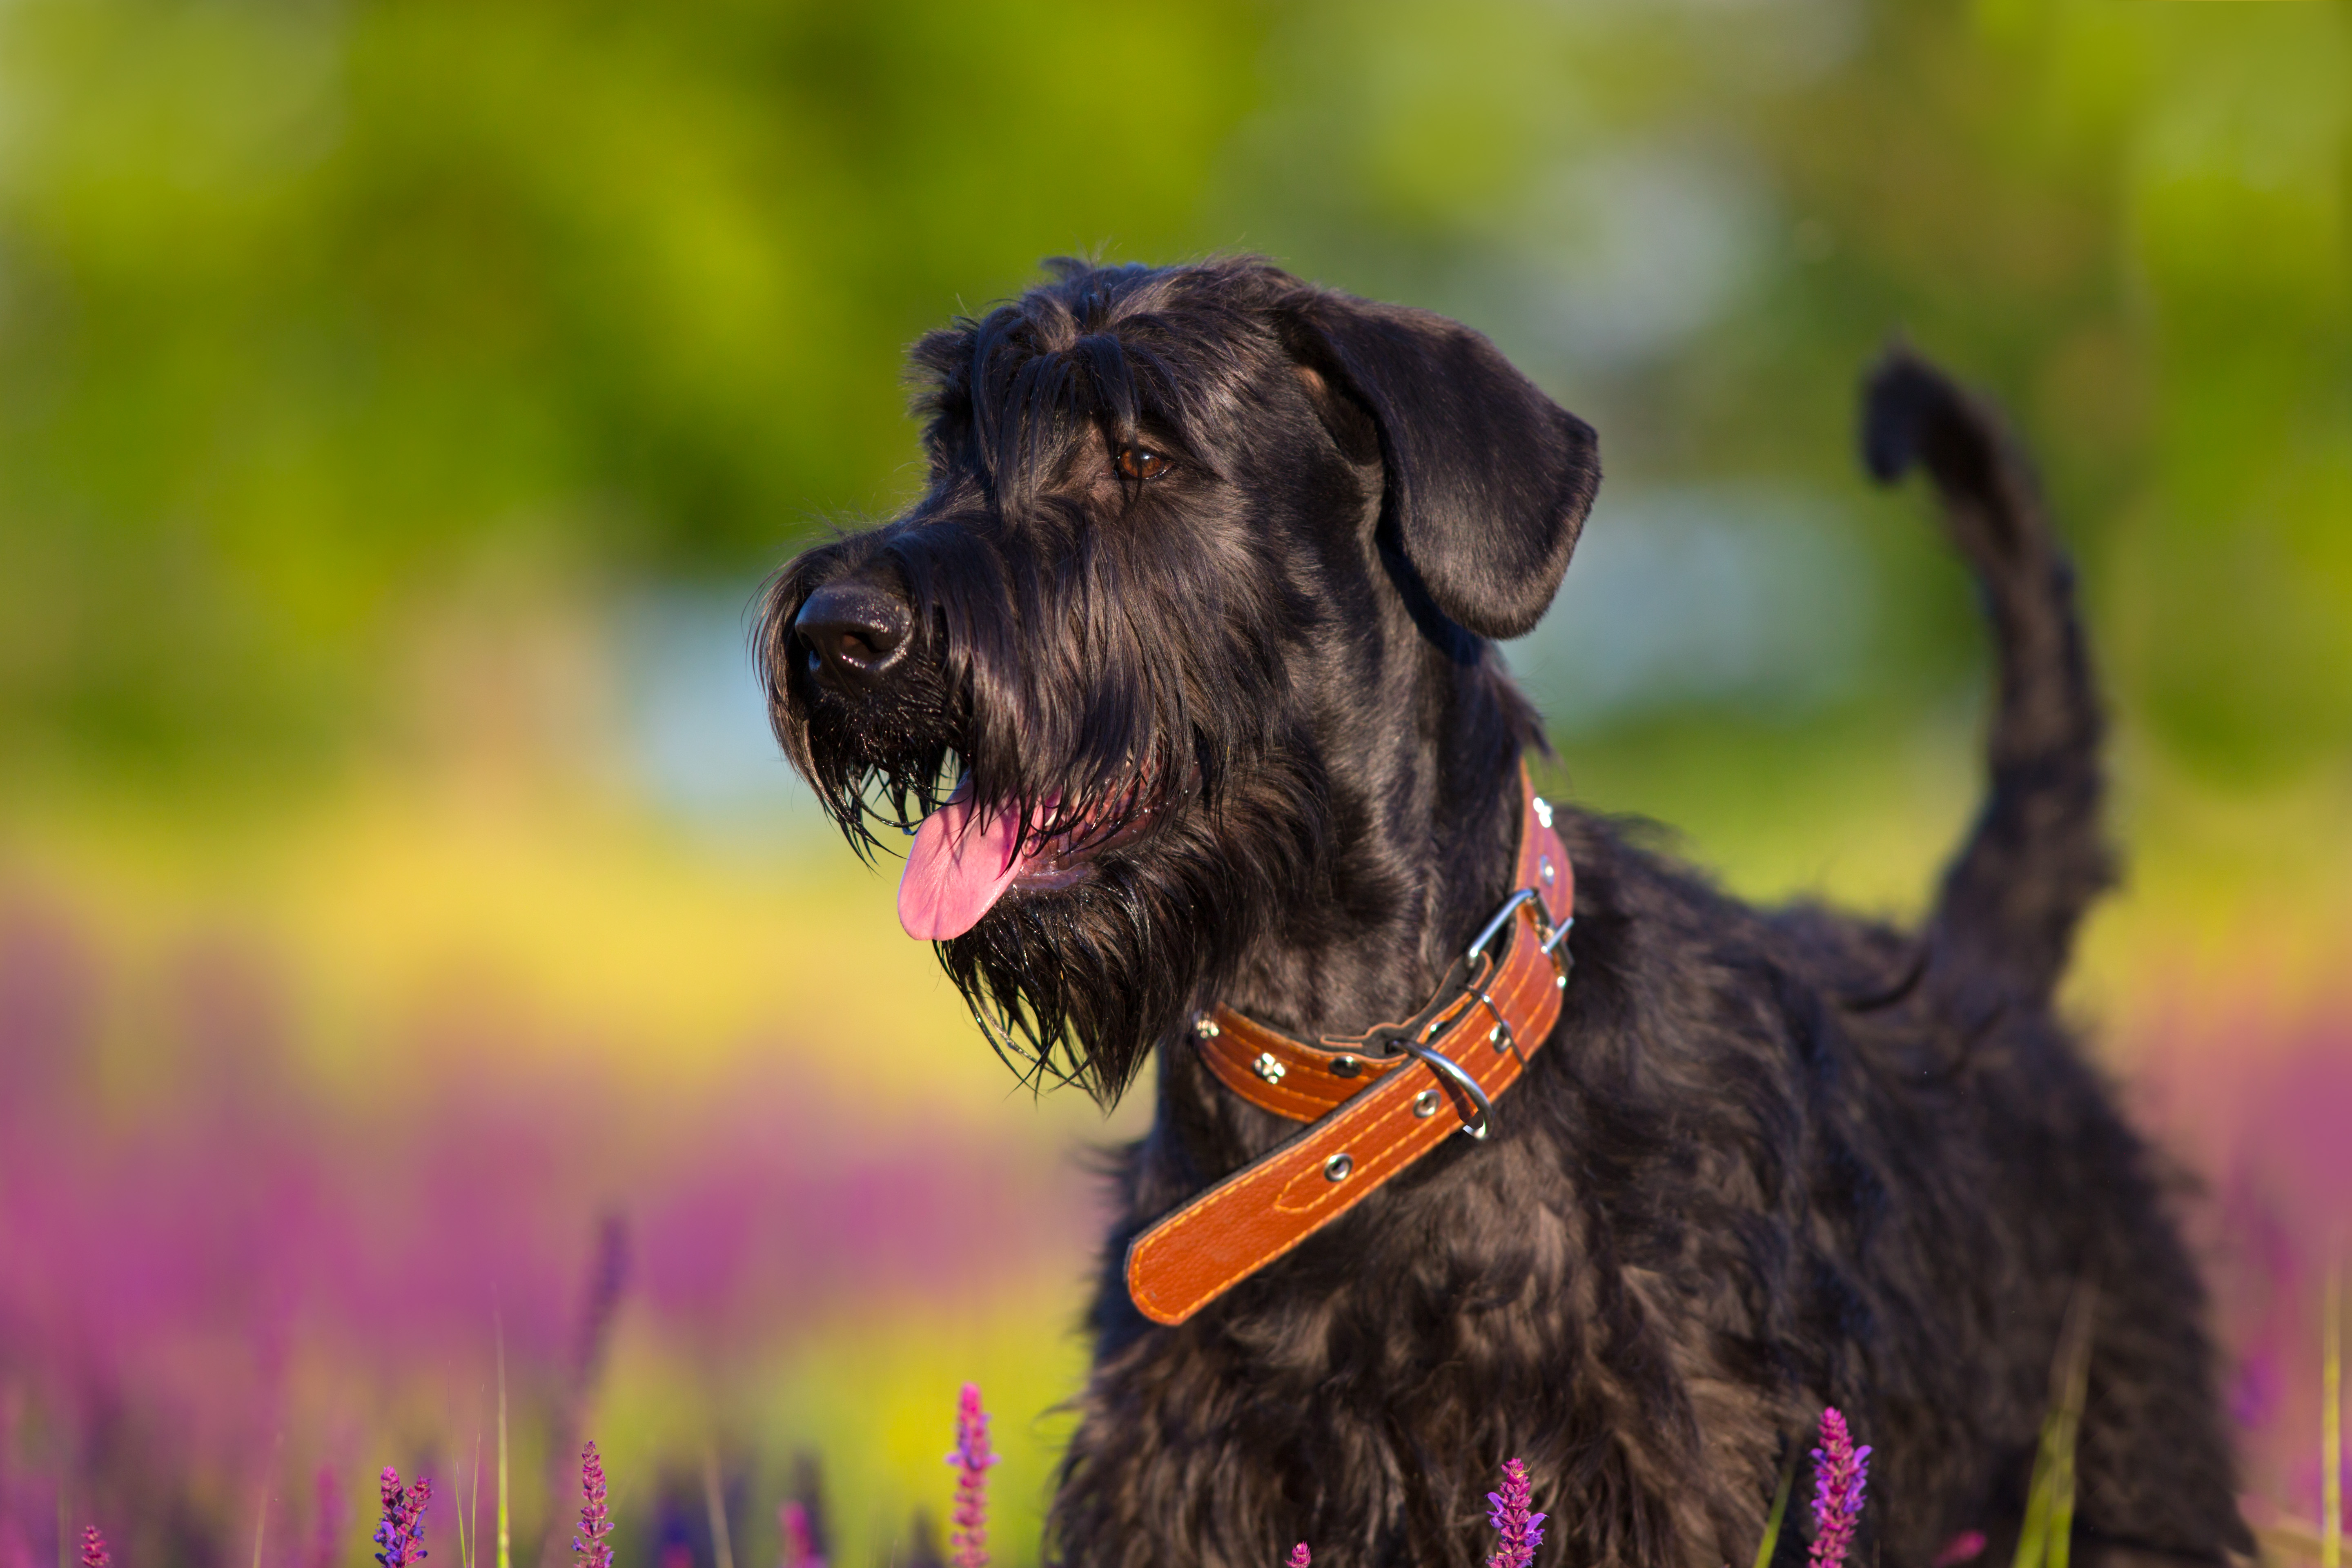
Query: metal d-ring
x=1446 y=1067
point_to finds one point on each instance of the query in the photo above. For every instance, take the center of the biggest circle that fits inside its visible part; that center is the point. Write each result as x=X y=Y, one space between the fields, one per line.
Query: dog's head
x=1196 y=543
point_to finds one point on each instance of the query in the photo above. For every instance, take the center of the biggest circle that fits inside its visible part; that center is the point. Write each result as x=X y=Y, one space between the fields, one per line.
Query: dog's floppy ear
x=1488 y=479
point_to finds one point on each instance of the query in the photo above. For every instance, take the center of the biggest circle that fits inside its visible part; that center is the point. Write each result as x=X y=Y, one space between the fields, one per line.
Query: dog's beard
x=1078 y=986
x=1065 y=985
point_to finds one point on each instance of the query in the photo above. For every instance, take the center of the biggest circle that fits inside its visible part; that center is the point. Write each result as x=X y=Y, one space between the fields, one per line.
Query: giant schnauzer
x=1181 y=673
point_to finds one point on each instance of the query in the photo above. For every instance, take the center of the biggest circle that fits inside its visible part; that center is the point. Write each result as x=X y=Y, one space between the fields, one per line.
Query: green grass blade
x=466 y=1514
x=2062 y=1512
x=2034 y=1535
x=1780 y=1509
x=714 y=1497
x=2047 y=1537
x=2070 y=1427
x=505 y=1557
x=2331 y=1421
x=261 y=1514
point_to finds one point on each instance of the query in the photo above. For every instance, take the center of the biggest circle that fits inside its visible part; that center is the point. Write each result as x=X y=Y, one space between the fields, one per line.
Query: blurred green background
x=318 y=317
x=400 y=403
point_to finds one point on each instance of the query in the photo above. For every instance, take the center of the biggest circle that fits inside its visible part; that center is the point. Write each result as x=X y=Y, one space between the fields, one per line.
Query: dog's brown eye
x=1142 y=462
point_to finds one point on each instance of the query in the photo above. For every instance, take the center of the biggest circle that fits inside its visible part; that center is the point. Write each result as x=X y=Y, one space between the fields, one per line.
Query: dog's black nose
x=853 y=633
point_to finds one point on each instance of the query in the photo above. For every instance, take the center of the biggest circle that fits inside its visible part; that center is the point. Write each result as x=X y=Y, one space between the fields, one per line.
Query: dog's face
x=1197 y=546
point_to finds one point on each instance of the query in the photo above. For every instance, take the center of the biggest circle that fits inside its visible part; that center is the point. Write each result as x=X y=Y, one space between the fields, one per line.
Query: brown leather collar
x=1371 y=1099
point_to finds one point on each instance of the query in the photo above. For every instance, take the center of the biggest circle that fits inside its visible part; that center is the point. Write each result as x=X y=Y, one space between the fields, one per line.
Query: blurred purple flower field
x=271 y=1187
x=2264 y=1117
x=221 y=1272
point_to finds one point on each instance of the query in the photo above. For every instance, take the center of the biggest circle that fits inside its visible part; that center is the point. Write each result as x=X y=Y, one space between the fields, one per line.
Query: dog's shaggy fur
x=1769 y=1159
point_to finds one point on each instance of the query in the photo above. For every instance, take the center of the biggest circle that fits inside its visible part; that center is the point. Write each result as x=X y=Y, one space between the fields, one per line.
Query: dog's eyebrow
x=1112 y=377
x=1031 y=409
x=1138 y=358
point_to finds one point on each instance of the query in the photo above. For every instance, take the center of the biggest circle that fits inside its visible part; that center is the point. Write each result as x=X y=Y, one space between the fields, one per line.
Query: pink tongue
x=956 y=870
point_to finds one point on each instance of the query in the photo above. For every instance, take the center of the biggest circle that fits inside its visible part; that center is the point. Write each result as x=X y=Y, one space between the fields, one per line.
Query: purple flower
x=94 y=1554
x=399 y=1539
x=800 y=1536
x=1840 y=1470
x=1965 y=1547
x=972 y=1459
x=1298 y=1557
x=595 y=1541
x=1520 y=1532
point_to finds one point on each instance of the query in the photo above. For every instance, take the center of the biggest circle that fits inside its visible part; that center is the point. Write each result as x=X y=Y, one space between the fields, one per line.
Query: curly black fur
x=1769 y=1160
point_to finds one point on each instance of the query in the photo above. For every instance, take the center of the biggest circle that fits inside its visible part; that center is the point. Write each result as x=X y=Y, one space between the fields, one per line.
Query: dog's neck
x=1422 y=835
x=1389 y=922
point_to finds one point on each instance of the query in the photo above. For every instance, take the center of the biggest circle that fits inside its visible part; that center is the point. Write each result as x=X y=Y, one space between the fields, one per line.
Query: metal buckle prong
x=1509 y=1036
x=1554 y=932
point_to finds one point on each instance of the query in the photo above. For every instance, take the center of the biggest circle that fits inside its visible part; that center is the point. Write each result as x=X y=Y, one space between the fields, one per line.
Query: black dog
x=1183 y=659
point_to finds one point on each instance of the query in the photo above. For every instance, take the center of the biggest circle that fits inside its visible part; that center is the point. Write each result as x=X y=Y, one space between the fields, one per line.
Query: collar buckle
x=1452 y=1075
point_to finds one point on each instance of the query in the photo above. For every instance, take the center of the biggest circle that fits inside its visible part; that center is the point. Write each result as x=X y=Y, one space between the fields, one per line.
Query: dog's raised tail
x=2005 y=922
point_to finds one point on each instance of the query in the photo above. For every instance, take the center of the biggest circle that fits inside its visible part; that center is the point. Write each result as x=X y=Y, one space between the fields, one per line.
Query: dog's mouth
x=963 y=860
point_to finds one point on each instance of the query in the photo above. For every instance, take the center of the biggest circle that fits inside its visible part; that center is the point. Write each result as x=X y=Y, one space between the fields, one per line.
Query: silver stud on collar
x=1268 y=1067
x=1337 y=1168
x=1206 y=1027
x=1425 y=1105
x=1543 y=810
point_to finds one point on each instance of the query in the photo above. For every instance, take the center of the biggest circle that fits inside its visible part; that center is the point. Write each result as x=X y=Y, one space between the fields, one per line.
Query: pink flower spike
x=94 y=1554
x=1518 y=1531
x=972 y=1459
x=400 y=1538
x=593 y=1544
x=1298 y=1557
x=1840 y=1473
x=800 y=1536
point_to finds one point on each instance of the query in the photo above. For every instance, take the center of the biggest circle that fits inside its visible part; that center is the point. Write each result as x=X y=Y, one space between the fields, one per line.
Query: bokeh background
x=411 y=943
